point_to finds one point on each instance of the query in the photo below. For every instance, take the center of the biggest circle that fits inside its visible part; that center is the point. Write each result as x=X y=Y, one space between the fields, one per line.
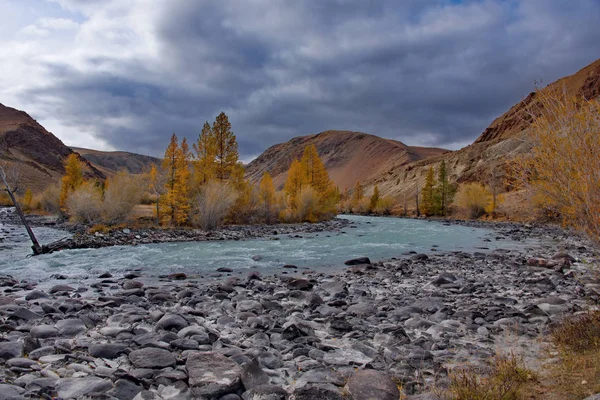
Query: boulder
x=358 y=261
x=75 y=388
x=212 y=374
x=106 y=350
x=372 y=385
x=152 y=357
x=171 y=321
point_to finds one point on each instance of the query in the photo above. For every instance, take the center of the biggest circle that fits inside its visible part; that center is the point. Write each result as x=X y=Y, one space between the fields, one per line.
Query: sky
x=126 y=74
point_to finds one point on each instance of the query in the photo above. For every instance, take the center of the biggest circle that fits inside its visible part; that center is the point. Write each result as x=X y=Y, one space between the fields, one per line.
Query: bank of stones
x=298 y=335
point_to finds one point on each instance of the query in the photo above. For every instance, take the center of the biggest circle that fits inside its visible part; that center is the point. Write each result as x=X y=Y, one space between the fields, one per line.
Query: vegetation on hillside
x=563 y=167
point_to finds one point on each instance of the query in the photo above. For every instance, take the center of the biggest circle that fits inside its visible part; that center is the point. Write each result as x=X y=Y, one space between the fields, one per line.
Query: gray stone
x=70 y=327
x=125 y=390
x=172 y=321
x=10 y=350
x=36 y=295
x=43 y=331
x=358 y=261
x=106 y=350
x=212 y=374
x=75 y=388
x=253 y=375
x=152 y=357
x=61 y=288
x=25 y=314
x=372 y=385
x=11 y=392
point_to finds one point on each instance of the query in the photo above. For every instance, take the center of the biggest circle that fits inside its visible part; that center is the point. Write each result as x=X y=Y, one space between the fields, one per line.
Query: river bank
x=79 y=237
x=296 y=334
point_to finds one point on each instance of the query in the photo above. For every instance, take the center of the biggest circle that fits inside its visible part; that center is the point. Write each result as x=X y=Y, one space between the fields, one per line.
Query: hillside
x=111 y=162
x=505 y=138
x=348 y=156
x=35 y=152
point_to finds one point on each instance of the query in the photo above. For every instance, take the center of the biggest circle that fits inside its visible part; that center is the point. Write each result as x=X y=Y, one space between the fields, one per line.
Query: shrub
x=385 y=205
x=50 y=199
x=578 y=333
x=506 y=377
x=5 y=200
x=307 y=205
x=124 y=191
x=212 y=205
x=84 y=204
x=474 y=198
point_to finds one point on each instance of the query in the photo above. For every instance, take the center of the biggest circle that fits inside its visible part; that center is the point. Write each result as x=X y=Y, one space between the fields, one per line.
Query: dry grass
x=505 y=380
x=575 y=374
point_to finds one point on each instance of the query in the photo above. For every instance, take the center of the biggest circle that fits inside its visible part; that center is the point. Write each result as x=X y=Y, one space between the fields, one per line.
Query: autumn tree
x=427 y=193
x=444 y=191
x=73 y=177
x=374 y=199
x=175 y=165
x=205 y=157
x=267 y=196
x=226 y=147
x=294 y=182
x=314 y=170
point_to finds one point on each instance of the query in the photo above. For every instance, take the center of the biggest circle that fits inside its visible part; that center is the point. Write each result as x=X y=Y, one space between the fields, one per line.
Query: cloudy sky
x=125 y=74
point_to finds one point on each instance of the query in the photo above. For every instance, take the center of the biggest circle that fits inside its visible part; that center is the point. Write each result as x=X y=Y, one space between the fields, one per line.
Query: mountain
x=111 y=162
x=504 y=139
x=348 y=156
x=36 y=153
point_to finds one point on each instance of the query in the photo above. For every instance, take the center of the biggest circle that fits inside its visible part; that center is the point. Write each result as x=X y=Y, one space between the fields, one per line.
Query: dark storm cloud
x=424 y=72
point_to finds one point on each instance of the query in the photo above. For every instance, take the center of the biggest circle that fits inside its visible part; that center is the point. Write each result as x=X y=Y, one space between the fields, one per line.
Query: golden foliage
x=474 y=198
x=73 y=177
x=204 y=161
x=267 y=197
x=122 y=193
x=563 y=167
x=176 y=197
x=309 y=205
x=374 y=199
x=50 y=199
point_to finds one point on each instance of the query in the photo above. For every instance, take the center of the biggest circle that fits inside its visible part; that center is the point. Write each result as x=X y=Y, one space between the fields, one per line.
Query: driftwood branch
x=37 y=249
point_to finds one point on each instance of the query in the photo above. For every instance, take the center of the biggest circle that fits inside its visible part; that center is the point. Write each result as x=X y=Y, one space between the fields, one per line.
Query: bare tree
x=11 y=186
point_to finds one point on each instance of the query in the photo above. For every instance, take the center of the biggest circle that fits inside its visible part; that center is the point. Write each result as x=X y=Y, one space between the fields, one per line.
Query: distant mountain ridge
x=111 y=162
x=37 y=153
x=348 y=156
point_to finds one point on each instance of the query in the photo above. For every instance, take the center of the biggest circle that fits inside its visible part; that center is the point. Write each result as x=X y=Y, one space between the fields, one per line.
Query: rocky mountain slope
x=348 y=156
x=485 y=159
x=36 y=153
x=111 y=162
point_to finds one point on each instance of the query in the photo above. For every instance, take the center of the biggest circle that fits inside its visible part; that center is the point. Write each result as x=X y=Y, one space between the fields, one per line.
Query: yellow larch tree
x=73 y=177
x=267 y=196
x=428 y=192
x=204 y=160
x=296 y=179
x=226 y=147
x=175 y=165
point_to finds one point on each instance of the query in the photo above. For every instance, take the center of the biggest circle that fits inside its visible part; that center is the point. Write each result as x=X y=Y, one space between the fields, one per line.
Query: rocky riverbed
x=362 y=334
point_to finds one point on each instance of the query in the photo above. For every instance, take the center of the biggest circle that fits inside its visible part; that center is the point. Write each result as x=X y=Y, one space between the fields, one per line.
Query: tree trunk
x=37 y=249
